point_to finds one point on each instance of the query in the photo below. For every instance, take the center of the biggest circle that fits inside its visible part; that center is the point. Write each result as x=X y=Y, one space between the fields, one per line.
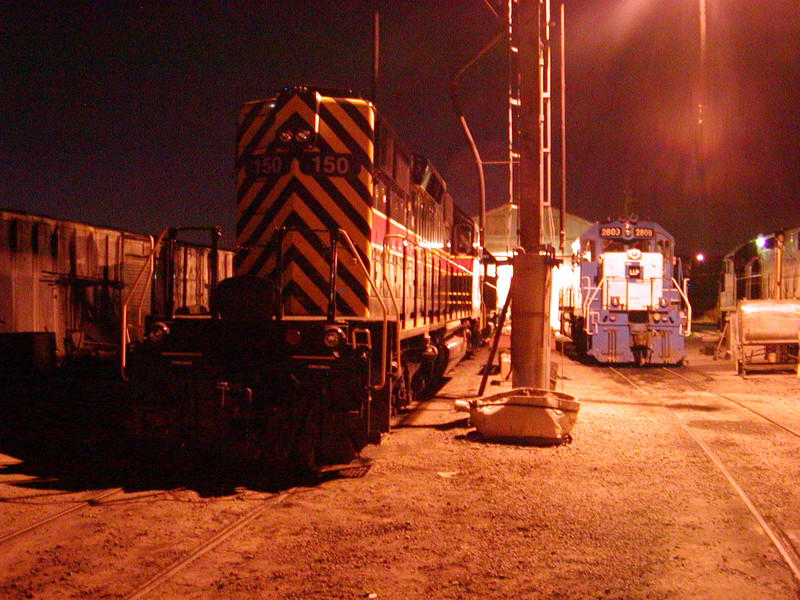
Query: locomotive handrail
x=391 y=294
x=593 y=294
x=588 y=301
x=123 y=357
x=688 y=305
x=383 y=268
x=352 y=247
x=425 y=249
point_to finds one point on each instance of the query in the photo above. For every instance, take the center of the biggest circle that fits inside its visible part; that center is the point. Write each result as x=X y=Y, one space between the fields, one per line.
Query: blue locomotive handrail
x=687 y=329
x=688 y=306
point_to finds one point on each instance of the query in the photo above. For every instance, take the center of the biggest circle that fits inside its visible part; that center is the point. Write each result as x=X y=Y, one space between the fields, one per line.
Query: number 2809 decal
x=325 y=164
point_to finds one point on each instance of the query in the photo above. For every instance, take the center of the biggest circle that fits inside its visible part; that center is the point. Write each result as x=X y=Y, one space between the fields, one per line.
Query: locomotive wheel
x=579 y=335
x=401 y=394
x=424 y=377
x=638 y=355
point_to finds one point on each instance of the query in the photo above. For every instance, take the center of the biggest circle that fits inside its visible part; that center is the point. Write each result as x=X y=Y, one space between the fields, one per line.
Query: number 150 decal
x=331 y=165
x=264 y=166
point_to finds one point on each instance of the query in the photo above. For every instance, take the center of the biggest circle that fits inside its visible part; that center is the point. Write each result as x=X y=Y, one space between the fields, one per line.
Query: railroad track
x=196 y=545
x=210 y=543
x=703 y=386
x=94 y=499
x=660 y=391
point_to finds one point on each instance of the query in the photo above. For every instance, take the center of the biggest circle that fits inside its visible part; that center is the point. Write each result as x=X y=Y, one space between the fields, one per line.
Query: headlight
x=662 y=302
x=332 y=337
x=293 y=337
x=285 y=136
x=157 y=332
x=303 y=136
x=614 y=300
x=656 y=317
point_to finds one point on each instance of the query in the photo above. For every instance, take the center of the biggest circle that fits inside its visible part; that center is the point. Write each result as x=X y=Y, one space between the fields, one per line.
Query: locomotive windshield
x=661 y=245
x=613 y=245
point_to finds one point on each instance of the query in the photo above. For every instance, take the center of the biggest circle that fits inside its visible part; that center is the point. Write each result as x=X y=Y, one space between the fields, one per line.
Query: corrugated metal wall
x=71 y=278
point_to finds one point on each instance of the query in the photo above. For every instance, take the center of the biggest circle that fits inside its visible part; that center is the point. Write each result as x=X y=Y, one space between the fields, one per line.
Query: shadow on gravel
x=474 y=436
x=696 y=407
x=740 y=427
x=63 y=434
x=449 y=426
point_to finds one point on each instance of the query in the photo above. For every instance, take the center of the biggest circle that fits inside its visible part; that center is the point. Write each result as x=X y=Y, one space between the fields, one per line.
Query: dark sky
x=124 y=113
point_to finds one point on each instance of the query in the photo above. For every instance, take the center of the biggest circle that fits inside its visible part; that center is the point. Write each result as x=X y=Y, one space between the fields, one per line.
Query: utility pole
x=530 y=304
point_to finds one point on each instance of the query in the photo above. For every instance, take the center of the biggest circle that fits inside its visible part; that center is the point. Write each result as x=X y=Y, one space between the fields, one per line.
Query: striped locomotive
x=356 y=287
x=625 y=303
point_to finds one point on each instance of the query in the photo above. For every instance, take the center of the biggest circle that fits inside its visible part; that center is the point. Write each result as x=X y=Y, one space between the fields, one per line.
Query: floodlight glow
x=761 y=241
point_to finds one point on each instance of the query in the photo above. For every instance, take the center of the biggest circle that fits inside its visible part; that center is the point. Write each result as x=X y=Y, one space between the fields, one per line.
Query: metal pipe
x=332 y=275
x=375 y=53
x=465 y=128
x=563 y=208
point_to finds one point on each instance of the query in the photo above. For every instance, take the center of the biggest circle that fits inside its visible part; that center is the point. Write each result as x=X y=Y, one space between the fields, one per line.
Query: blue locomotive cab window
x=614 y=246
x=665 y=247
x=588 y=251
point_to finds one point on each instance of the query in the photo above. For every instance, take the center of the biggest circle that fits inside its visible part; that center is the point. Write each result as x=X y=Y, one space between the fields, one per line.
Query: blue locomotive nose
x=632 y=307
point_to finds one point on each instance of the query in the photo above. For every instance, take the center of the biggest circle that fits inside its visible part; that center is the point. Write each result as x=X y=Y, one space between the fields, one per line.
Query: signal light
x=293 y=337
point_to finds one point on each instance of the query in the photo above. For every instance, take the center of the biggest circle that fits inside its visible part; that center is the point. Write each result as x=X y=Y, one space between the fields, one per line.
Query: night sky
x=124 y=113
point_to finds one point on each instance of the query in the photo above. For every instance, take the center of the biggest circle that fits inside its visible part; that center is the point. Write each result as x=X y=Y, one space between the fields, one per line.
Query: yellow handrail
x=353 y=250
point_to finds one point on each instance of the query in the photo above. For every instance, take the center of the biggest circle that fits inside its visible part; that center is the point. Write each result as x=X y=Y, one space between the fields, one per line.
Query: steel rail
x=42 y=522
x=786 y=553
x=156 y=580
x=736 y=402
x=93 y=501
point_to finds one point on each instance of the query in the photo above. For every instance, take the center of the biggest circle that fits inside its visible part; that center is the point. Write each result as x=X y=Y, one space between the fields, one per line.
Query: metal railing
x=148 y=267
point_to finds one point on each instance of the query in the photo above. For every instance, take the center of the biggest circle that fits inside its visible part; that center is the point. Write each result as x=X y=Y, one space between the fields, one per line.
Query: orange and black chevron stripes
x=303 y=172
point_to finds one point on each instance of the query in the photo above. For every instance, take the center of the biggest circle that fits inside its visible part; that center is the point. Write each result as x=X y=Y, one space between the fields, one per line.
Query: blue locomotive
x=627 y=300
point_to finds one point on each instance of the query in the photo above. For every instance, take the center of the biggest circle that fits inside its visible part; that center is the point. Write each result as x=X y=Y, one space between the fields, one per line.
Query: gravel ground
x=632 y=509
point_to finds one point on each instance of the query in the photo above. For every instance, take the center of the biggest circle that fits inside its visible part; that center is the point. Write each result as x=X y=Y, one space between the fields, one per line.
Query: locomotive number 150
x=327 y=164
